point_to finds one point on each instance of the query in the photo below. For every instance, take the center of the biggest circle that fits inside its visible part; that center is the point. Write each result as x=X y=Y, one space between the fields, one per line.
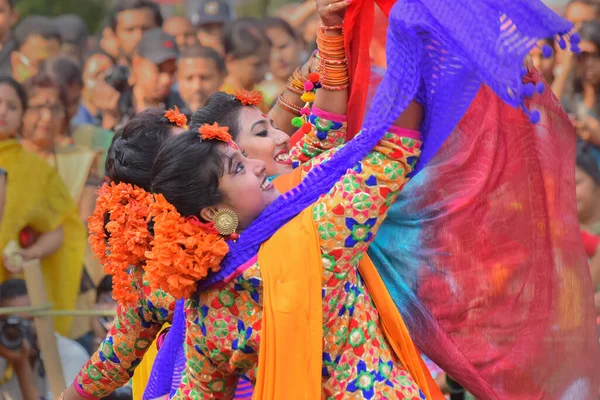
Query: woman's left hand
x=332 y=11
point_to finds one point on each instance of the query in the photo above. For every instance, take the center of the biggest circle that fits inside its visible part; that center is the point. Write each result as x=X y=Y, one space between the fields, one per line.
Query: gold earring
x=226 y=221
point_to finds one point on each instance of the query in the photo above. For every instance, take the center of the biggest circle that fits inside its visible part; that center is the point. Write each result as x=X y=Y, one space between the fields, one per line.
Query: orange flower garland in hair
x=182 y=252
x=177 y=117
x=119 y=237
x=214 y=132
x=249 y=98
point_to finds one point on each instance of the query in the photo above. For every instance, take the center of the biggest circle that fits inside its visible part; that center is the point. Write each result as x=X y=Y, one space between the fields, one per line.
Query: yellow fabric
x=36 y=197
x=74 y=168
x=143 y=371
x=395 y=330
x=295 y=266
x=290 y=355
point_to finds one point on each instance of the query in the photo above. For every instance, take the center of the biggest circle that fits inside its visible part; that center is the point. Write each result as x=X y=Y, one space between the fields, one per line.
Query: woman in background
x=36 y=199
x=286 y=54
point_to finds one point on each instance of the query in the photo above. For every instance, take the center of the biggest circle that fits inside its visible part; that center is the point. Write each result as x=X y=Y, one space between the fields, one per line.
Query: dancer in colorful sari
x=141 y=316
x=242 y=306
x=401 y=277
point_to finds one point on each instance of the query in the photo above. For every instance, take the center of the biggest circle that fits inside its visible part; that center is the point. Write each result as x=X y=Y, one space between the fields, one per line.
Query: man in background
x=182 y=30
x=37 y=38
x=209 y=17
x=129 y=19
x=200 y=73
x=153 y=69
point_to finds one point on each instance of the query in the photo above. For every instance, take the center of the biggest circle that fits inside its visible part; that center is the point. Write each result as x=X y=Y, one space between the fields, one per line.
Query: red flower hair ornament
x=215 y=132
x=249 y=98
x=177 y=117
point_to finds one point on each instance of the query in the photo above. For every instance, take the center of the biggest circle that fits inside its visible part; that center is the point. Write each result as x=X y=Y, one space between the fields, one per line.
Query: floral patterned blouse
x=132 y=334
x=224 y=324
x=134 y=330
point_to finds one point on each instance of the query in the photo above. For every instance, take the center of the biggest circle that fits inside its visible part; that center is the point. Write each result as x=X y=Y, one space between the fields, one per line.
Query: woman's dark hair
x=45 y=81
x=64 y=70
x=187 y=171
x=132 y=151
x=273 y=22
x=221 y=108
x=7 y=80
x=244 y=37
x=587 y=162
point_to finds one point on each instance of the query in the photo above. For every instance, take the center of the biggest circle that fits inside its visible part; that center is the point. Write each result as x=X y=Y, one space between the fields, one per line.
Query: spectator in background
x=129 y=19
x=74 y=36
x=182 y=30
x=247 y=51
x=90 y=107
x=200 y=73
x=37 y=39
x=13 y=293
x=153 y=71
x=210 y=18
x=587 y=186
x=584 y=102
x=587 y=181
x=65 y=70
x=107 y=43
x=8 y=17
x=580 y=11
x=286 y=53
x=545 y=65
x=45 y=122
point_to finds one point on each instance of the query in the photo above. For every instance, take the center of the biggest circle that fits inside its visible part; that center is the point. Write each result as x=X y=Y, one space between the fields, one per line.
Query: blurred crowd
x=83 y=86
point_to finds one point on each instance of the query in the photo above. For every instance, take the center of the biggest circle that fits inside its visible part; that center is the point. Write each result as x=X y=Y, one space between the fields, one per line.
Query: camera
x=118 y=78
x=13 y=331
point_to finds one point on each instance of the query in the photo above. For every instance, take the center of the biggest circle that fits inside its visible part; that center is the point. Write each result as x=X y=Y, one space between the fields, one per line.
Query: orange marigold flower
x=249 y=98
x=119 y=237
x=214 y=131
x=176 y=117
x=182 y=253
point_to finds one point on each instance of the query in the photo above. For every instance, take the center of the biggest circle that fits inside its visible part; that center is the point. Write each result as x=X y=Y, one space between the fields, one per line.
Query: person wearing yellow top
x=35 y=199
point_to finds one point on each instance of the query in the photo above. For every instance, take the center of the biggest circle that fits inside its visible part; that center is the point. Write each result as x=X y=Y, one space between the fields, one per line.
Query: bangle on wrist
x=288 y=106
x=332 y=27
x=293 y=89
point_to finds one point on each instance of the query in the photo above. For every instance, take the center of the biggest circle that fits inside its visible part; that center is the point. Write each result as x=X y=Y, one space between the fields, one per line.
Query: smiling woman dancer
x=445 y=112
x=222 y=186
